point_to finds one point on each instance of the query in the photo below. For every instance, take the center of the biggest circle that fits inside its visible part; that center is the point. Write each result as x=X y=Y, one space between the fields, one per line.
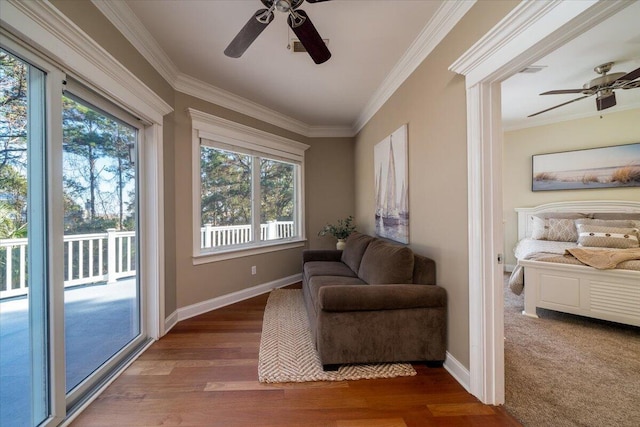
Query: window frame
x=220 y=133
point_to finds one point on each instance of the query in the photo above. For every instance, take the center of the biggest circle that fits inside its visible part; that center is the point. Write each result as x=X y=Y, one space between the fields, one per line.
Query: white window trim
x=213 y=128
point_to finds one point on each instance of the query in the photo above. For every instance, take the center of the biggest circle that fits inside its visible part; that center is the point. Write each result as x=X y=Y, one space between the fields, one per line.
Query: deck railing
x=211 y=237
x=107 y=257
x=89 y=258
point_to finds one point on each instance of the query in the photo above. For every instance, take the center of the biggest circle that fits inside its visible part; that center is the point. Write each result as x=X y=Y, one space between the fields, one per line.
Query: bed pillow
x=607 y=237
x=558 y=229
x=628 y=216
x=625 y=223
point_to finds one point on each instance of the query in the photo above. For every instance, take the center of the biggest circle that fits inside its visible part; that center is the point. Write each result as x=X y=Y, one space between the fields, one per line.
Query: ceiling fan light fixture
x=283 y=5
x=606 y=99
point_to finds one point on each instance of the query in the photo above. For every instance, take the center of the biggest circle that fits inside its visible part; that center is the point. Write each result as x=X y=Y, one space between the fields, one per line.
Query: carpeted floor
x=287 y=353
x=563 y=370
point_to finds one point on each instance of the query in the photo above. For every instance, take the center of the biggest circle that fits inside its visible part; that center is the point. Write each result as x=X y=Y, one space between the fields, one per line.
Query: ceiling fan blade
x=249 y=33
x=559 y=105
x=562 y=91
x=316 y=1
x=627 y=77
x=309 y=37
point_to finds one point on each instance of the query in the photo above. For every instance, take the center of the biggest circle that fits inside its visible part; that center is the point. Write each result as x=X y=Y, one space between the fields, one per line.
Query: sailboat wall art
x=391 y=158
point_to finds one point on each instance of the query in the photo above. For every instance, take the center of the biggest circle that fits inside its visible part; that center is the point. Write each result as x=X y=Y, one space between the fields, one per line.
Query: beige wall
x=519 y=145
x=330 y=186
x=433 y=102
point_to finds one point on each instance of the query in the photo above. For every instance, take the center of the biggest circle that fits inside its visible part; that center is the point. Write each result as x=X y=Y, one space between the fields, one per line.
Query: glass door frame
x=84 y=96
x=54 y=288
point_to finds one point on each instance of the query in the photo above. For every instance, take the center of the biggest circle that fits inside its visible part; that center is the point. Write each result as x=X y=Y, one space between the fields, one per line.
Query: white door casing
x=531 y=31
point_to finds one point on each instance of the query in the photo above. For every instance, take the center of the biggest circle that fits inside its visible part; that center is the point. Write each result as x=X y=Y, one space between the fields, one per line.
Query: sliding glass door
x=24 y=373
x=71 y=305
x=101 y=298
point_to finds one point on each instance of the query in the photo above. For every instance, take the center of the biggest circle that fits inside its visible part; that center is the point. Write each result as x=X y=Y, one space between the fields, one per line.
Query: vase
x=340 y=245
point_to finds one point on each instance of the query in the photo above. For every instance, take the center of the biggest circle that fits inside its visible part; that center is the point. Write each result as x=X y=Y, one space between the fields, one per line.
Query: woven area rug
x=287 y=353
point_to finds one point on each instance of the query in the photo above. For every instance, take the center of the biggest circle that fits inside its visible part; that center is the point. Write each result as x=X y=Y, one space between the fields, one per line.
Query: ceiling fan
x=603 y=87
x=297 y=20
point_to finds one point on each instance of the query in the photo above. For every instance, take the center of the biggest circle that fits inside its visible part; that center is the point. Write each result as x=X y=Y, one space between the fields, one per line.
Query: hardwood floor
x=204 y=372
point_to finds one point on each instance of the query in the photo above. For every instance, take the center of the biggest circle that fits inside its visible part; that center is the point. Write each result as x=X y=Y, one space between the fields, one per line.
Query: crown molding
x=123 y=18
x=55 y=34
x=447 y=16
x=223 y=98
x=521 y=124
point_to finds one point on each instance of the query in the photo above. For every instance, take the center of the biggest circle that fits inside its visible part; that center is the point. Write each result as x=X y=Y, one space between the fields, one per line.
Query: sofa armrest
x=380 y=297
x=321 y=255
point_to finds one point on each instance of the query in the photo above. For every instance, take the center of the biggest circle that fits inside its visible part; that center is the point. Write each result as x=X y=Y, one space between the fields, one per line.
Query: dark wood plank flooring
x=204 y=372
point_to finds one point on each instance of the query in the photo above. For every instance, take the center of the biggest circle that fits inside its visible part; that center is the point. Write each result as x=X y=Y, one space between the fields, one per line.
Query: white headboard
x=525 y=224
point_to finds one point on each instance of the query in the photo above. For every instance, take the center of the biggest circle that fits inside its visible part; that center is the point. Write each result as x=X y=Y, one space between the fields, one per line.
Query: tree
x=276 y=184
x=83 y=142
x=225 y=187
x=13 y=110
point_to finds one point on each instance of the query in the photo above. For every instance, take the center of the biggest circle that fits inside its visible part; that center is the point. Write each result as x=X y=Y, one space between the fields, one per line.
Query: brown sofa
x=374 y=302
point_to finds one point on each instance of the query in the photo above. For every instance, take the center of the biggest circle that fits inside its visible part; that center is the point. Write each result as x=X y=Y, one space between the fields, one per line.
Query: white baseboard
x=224 y=300
x=170 y=321
x=509 y=268
x=457 y=371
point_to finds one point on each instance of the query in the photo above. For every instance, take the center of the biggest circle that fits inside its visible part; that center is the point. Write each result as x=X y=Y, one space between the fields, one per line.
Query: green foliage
x=98 y=175
x=341 y=230
x=10 y=228
x=225 y=187
x=277 y=190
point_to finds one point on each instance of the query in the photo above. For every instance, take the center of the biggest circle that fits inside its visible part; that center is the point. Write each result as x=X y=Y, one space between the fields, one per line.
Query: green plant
x=341 y=230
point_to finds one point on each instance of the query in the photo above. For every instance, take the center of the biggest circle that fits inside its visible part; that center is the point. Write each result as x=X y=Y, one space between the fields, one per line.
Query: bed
x=554 y=279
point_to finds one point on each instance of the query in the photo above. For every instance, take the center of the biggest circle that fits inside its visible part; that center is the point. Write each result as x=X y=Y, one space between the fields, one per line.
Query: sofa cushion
x=354 y=249
x=327 y=268
x=384 y=263
x=380 y=297
x=317 y=282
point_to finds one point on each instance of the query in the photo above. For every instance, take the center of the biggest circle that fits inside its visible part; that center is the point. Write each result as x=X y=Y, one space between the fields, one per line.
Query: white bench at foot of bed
x=612 y=295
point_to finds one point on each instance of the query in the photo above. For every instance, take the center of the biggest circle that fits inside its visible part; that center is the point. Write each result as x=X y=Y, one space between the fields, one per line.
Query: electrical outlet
x=253 y=270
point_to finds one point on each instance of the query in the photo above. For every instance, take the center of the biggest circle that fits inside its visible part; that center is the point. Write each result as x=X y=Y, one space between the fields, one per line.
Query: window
x=247 y=190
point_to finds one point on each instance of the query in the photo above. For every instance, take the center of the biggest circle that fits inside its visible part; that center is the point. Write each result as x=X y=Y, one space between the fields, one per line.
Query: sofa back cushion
x=386 y=263
x=354 y=248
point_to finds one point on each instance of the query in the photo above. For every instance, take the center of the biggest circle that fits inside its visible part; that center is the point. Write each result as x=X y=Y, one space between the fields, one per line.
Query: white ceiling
x=375 y=45
x=569 y=67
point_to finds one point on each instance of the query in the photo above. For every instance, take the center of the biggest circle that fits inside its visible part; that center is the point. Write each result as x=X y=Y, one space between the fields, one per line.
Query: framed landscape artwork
x=606 y=167
x=391 y=160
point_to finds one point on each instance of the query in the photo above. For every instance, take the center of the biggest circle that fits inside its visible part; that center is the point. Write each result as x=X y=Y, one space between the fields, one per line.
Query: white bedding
x=526 y=247
x=549 y=251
